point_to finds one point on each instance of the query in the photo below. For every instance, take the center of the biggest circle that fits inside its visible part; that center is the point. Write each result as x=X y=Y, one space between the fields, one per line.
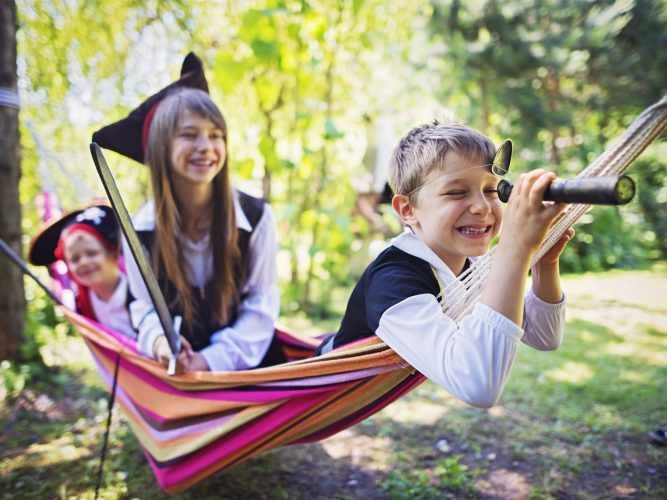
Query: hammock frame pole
x=140 y=258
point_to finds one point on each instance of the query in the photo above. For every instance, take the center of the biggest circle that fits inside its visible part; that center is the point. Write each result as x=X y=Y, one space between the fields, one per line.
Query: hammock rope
x=192 y=425
x=616 y=160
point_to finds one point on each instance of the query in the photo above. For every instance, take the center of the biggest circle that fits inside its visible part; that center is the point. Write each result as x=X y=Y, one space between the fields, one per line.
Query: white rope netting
x=461 y=294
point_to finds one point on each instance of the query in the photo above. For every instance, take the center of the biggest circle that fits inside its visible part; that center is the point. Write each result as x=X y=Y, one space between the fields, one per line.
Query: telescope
x=604 y=190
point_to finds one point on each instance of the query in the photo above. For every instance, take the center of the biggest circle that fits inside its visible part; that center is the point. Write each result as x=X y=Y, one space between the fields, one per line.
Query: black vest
x=204 y=324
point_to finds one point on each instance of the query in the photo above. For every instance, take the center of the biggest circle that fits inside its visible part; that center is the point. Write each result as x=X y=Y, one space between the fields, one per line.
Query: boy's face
x=90 y=263
x=457 y=211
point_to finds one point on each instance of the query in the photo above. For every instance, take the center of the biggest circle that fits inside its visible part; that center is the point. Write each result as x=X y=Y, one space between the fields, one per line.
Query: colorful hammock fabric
x=192 y=425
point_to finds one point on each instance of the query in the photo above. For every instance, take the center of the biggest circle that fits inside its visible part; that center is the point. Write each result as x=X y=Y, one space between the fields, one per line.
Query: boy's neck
x=459 y=267
x=455 y=263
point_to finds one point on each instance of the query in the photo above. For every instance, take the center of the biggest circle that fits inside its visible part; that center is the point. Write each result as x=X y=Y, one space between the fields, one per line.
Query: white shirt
x=471 y=358
x=237 y=347
x=113 y=313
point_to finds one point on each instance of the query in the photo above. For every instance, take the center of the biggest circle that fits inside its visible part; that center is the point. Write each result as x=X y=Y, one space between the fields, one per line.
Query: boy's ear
x=401 y=205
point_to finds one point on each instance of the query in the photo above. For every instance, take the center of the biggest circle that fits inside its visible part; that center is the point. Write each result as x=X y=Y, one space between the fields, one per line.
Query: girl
x=212 y=248
x=88 y=242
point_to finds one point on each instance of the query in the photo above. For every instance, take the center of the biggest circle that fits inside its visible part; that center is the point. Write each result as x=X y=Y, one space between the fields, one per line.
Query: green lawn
x=571 y=424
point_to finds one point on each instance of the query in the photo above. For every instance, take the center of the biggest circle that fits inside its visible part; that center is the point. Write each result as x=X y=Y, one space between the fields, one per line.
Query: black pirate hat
x=127 y=136
x=98 y=219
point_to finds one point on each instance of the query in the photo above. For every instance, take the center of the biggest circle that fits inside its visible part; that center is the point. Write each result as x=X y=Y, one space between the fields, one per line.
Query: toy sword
x=170 y=330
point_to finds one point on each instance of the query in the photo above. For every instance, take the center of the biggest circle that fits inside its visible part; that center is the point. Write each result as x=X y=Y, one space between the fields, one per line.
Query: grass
x=571 y=424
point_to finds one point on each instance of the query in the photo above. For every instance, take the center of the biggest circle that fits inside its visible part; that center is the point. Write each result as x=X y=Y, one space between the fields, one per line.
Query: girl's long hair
x=167 y=255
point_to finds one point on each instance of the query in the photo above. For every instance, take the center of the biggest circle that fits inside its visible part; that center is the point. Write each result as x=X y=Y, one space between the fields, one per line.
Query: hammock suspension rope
x=616 y=160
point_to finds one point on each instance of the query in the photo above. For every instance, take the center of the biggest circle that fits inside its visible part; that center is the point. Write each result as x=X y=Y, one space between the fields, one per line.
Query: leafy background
x=299 y=81
x=303 y=86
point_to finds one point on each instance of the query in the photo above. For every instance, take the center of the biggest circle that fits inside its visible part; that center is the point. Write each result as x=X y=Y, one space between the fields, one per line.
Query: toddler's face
x=458 y=211
x=89 y=261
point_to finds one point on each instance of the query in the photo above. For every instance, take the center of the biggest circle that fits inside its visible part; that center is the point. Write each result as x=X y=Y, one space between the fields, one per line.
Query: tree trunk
x=12 y=301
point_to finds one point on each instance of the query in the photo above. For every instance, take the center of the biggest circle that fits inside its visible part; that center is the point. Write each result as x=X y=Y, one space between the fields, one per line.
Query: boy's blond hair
x=424 y=148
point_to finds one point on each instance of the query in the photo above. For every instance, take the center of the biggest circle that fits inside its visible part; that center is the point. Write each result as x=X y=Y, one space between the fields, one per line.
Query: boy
x=446 y=195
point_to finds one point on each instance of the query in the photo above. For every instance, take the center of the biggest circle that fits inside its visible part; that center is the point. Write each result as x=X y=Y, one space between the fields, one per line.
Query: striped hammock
x=194 y=424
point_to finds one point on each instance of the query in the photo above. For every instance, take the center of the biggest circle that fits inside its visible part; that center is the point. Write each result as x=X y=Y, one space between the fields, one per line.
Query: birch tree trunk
x=12 y=301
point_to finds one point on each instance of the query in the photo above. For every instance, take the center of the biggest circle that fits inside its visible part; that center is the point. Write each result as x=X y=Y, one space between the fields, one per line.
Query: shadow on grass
x=52 y=449
x=514 y=453
x=572 y=420
x=304 y=471
x=597 y=377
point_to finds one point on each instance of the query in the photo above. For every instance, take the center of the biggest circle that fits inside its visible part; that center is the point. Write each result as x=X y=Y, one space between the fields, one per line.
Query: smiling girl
x=212 y=247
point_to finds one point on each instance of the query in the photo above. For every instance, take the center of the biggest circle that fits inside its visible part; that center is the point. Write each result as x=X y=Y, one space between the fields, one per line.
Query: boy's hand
x=528 y=217
x=552 y=256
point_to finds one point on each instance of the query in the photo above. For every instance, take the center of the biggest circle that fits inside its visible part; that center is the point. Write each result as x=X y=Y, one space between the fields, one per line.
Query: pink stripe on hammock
x=159 y=435
x=259 y=397
x=334 y=379
x=172 y=475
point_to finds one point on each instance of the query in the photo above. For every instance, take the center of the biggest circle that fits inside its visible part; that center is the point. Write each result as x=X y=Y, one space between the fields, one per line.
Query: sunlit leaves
x=330 y=130
x=295 y=78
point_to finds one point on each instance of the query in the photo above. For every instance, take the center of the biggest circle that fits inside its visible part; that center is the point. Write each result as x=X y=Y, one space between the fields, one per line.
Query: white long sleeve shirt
x=243 y=344
x=396 y=299
x=113 y=313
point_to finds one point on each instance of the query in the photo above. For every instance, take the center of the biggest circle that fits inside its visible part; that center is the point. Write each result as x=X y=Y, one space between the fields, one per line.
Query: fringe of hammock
x=462 y=295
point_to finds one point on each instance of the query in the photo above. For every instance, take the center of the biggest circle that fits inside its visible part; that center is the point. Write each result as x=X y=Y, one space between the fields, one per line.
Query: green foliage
x=652 y=198
x=448 y=475
x=12 y=379
x=295 y=80
x=455 y=476
x=408 y=484
x=563 y=79
x=43 y=325
x=604 y=240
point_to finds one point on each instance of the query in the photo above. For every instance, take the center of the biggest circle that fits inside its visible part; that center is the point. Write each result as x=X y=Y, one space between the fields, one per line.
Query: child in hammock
x=446 y=195
x=212 y=247
x=88 y=242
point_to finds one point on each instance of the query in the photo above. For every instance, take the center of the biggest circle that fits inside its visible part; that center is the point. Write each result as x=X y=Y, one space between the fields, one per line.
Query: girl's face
x=458 y=212
x=198 y=150
x=89 y=261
